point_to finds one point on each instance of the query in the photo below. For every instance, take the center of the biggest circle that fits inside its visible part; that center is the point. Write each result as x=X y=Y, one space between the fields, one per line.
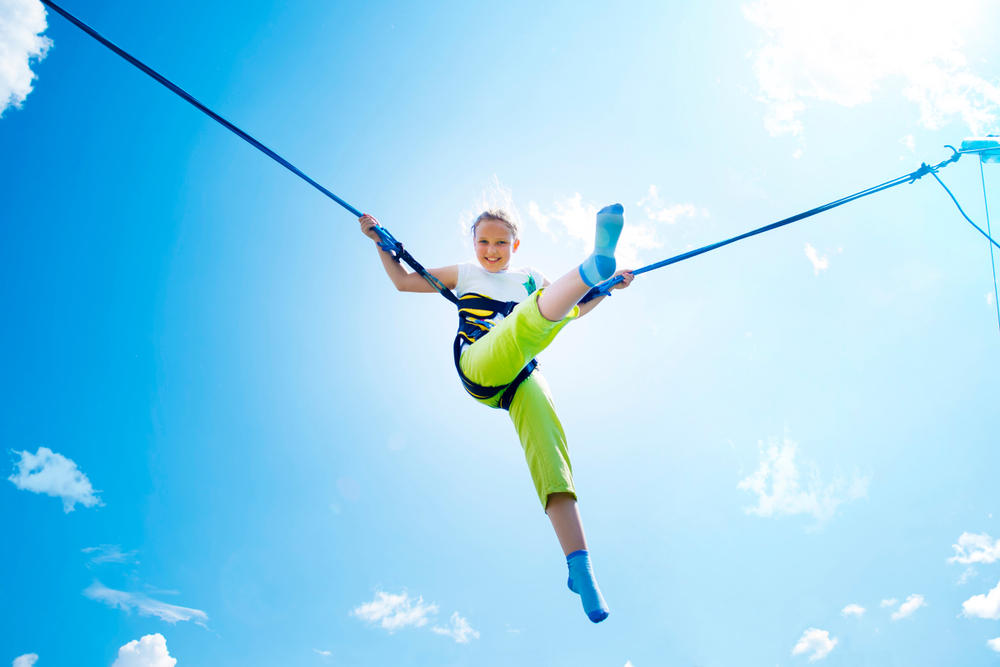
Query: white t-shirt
x=509 y=285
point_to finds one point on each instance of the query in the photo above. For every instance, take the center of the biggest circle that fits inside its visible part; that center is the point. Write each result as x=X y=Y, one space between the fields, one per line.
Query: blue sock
x=601 y=264
x=581 y=581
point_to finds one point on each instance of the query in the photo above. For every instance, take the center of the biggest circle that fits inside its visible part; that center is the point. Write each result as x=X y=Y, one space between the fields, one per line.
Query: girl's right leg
x=545 y=451
x=558 y=299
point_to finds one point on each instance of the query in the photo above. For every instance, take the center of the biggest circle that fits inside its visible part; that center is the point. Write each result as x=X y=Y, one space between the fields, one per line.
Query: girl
x=507 y=316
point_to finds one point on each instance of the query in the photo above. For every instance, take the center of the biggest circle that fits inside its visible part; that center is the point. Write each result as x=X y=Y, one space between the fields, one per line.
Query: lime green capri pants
x=495 y=360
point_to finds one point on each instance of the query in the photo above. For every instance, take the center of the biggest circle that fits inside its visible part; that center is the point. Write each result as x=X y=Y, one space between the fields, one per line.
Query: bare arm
x=407 y=281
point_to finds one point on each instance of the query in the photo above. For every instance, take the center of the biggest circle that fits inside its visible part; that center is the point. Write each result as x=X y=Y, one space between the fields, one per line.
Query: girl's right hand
x=368 y=224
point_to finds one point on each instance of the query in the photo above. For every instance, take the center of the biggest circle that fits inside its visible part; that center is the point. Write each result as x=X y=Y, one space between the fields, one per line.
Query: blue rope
x=986 y=203
x=604 y=288
x=978 y=228
x=190 y=98
x=387 y=242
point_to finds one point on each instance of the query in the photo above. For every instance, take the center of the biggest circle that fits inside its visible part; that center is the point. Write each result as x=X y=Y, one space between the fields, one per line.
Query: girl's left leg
x=497 y=357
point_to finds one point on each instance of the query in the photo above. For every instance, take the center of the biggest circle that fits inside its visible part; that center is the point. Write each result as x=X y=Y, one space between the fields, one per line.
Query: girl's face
x=495 y=243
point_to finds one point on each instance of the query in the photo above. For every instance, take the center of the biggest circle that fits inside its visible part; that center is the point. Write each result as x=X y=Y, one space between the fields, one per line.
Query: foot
x=601 y=264
x=581 y=581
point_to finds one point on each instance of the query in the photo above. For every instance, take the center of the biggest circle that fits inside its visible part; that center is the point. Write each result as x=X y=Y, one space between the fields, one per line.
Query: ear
x=517 y=244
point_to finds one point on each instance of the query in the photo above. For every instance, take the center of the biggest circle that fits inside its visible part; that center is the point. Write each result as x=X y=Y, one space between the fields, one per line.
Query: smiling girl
x=507 y=316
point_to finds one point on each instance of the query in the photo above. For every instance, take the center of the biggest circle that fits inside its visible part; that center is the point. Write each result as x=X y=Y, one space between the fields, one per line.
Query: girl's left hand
x=627 y=278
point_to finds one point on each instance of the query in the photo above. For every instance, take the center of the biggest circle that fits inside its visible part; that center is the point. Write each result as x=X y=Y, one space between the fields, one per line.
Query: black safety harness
x=475 y=315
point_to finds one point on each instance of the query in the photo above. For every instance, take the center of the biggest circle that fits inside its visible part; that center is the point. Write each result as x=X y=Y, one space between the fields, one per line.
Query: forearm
x=590 y=305
x=396 y=271
x=403 y=280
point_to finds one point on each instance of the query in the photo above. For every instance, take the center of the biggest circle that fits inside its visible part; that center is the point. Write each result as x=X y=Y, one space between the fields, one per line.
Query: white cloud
x=150 y=651
x=989 y=298
x=781 y=490
x=975 y=548
x=26 y=660
x=909 y=142
x=994 y=644
x=658 y=211
x=984 y=606
x=628 y=663
x=22 y=23
x=913 y=603
x=109 y=553
x=459 y=630
x=145 y=605
x=890 y=602
x=819 y=263
x=844 y=52
x=573 y=217
x=853 y=610
x=325 y=654
x=397 y=611
x=540 y=219
x=55 y=475
x=815 y=641
x=968 y=574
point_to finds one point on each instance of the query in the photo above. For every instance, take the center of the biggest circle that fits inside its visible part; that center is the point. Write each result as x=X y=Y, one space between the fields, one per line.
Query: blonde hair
x=500 y=216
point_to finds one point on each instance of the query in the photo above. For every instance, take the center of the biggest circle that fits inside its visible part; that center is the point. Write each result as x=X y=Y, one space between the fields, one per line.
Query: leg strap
x=483 y=392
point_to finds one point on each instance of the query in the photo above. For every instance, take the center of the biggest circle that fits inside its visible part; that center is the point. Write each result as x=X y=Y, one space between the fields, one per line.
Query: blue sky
x=230 y=441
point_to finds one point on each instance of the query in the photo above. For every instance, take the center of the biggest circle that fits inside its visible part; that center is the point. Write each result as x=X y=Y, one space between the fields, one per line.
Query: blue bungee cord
x=388 y=243
x=604 y=288
x=993 y=264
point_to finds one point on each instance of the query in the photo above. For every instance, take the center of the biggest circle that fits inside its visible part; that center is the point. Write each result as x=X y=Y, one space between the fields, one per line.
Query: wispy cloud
x=144 y=605
x=22 y=23
x=149 y=651
x=109 y=553
x=984 y=606
x=967 y=575
x=783 y=489
x=819 y=263
x=325 y=654
x=994 y=644
x=844 y=52
x=54 y=475
x=815 y=641
x=26 y=660
x=912 y=604
x=889 y=602
x=644 y=227
x=395 y=611
x=458 y=629
x=853 y=610
x=975 y=548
